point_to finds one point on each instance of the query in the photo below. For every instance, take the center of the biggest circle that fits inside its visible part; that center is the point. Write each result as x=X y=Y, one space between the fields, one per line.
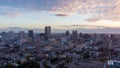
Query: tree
x=104 y=60
x=9 y=65
x=86 y=55
x=46 y=65
x=29 y=64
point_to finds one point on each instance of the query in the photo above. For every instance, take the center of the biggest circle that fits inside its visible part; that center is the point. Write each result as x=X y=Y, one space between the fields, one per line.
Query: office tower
x=74 y=36
x=47 y=32
x=30 y=34
x=21 y=34
x=110 y=41
x=67 y=33
x=38 y=48
x=80 y=34
x=21 y=37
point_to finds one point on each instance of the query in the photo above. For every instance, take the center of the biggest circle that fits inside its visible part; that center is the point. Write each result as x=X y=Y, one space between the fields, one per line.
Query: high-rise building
x=47 y=32
x=22 y=37
x=110 y=39
x=30 y=34
x=74 y=36
x=21 y=34
x=67 y=33
x=38 y=48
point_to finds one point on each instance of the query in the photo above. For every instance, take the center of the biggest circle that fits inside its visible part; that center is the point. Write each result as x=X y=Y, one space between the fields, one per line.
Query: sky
x=60 y=14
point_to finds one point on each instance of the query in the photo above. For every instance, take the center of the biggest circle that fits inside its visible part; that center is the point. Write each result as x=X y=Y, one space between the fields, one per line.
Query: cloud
x=93 y=19
x=97 y=9
x=61 y=15
x=67 y=7
x=108 y=9
x=12 y=14
x=99 y=18
x=10 y=11
x=77 y=26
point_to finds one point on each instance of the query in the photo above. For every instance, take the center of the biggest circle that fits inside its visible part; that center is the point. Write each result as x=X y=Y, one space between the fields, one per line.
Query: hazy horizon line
x=80 y=30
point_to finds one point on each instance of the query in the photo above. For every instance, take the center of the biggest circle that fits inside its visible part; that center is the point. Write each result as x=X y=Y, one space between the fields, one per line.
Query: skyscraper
x=74 y=36
x=21 y=34
x=47 y=32
x=30 y=34
x=67 y=33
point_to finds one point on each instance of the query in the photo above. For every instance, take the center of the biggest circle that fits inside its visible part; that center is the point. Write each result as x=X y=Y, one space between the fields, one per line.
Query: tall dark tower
x=30 y=34
x=47 y=32
x=67 y=33
x=74 y=36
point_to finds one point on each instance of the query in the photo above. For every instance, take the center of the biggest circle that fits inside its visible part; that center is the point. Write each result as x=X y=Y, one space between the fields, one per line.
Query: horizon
x=81 y=30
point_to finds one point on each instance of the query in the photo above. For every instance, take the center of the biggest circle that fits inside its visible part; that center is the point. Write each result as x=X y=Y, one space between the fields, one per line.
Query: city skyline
x=85 y=16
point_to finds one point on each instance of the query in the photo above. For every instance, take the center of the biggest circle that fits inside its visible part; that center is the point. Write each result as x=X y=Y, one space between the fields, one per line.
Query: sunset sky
x=60 y=14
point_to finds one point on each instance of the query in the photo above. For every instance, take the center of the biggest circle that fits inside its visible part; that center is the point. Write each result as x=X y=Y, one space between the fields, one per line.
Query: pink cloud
x=13 y=14
x=99 y=9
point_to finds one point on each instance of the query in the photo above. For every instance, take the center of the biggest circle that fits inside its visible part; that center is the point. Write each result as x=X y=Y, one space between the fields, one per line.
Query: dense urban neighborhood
x=59 y=50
